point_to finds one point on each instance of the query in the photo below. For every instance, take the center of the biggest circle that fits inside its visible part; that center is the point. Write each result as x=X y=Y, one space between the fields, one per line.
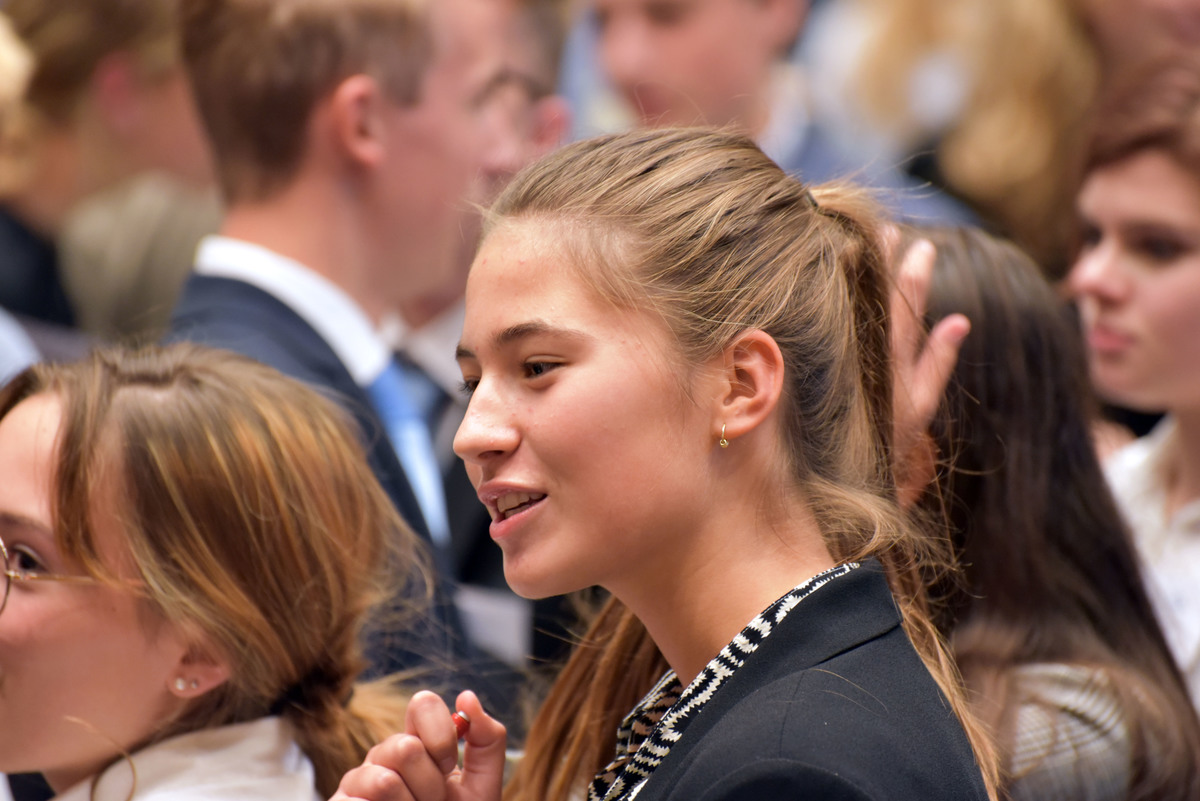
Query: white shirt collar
x=255 y=760
x=321 y=303
x=431 y=347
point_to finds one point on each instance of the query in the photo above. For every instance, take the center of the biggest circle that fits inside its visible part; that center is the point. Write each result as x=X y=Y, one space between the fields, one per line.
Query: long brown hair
x=705 y=231
x=1050 y=574
x=252 y=517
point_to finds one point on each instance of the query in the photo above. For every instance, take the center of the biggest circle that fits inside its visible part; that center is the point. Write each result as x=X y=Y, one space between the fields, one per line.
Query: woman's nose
x=1098 y=274
x=487 y=429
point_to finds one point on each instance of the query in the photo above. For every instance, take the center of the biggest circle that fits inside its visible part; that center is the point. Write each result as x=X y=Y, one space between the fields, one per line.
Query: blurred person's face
x=437 y=147
x=687 y=62
x=522 y=120
x=1137 y=280
x=85 y=667
x=518 y=129
x=1130 y=32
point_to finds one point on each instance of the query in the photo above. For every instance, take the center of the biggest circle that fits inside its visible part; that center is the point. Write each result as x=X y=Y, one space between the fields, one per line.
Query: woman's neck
x=721 y=584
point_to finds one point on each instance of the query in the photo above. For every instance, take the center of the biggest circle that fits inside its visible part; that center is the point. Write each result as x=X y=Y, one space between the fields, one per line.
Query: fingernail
x=462 y=722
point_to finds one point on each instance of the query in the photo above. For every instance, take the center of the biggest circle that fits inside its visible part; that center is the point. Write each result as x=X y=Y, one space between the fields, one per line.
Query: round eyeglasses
x=13 y=572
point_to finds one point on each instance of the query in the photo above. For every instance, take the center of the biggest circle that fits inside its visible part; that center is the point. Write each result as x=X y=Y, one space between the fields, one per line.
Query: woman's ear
x=199 y=671
x=750 y=375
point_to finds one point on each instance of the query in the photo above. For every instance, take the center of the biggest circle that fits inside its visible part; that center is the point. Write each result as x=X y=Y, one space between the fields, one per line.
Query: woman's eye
x=467 y=387
x=538 y=369
x=24 y=563
x=1161 y=249
x=1089 y=237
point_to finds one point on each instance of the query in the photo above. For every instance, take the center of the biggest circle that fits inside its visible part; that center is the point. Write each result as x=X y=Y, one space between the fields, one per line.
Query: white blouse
x=1169 y=548
x=243 y=762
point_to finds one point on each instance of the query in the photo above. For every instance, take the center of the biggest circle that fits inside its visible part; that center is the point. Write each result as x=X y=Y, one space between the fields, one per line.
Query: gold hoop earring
x=724 y=443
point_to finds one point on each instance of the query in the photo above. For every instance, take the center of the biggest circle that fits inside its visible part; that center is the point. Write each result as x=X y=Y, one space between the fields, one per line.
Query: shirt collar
x=256 y=759
x=431 y=347
x=322 y=304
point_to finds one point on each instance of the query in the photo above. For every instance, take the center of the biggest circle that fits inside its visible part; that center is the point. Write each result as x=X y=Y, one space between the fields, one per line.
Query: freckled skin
x=603 y=414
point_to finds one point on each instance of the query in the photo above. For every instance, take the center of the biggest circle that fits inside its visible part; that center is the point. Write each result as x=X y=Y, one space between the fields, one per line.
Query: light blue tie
x=410 y=436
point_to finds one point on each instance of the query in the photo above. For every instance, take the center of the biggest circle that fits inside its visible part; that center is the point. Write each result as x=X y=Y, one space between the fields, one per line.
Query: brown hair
x=258 y=68
x=1157 y=108
x=252 y=517
x=705 y=231
x=69 y=38
x=1049 y=572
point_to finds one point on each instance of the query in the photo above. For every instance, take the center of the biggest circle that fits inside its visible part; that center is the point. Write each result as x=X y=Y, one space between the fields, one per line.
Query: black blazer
x=240 y=317
x=835 y=704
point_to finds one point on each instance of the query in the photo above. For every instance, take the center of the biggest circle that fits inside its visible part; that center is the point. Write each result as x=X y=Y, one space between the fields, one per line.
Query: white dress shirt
x=1169 y=548
x=322 y=304
x=243 y=762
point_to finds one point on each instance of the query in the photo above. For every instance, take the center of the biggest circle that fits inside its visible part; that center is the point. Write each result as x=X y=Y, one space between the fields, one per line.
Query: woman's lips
x=1105 y=340
x=503 y=523
x=513 y=502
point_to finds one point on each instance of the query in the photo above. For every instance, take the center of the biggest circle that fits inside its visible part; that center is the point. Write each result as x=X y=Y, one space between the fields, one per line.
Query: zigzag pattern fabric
x=646 y=735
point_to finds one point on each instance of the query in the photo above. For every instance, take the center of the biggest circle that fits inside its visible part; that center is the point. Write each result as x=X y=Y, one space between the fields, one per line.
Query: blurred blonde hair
x=1032 y=73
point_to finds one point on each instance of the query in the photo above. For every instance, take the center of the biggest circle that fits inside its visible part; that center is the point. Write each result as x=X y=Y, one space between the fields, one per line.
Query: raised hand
x=922 y=364
x=422 y=763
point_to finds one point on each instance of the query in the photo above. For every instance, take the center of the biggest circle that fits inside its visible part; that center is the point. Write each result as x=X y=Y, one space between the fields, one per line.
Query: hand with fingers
x=422 y=763
x=922 y=364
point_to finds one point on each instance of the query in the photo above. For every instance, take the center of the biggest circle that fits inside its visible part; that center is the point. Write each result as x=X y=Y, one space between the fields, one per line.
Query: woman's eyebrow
x=12 y=520
x=519 y=331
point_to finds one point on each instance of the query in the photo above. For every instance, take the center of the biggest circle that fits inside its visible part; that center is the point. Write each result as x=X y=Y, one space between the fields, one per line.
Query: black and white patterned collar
x=646 y=735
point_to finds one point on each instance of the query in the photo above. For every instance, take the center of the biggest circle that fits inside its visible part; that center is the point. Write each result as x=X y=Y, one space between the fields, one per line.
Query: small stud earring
x=724 y=443
x=180 y=684
x=194 y=684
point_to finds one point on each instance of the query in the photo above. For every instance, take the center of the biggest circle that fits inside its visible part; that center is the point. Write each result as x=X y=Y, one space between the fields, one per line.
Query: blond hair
x=1032 y=73
x=703 y=230
x=258 y=68
x=252 y=517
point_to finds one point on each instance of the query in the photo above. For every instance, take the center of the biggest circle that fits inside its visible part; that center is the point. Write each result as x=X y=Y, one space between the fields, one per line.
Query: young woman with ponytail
x=681 y=391
x=191 y=545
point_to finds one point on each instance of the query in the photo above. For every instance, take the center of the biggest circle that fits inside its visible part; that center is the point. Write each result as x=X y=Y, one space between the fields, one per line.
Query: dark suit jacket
x=240 y=317
x=835 y=704
x=30 y=285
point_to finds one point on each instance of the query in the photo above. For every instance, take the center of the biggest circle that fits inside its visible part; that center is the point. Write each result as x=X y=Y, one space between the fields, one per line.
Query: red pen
x=461 y=723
